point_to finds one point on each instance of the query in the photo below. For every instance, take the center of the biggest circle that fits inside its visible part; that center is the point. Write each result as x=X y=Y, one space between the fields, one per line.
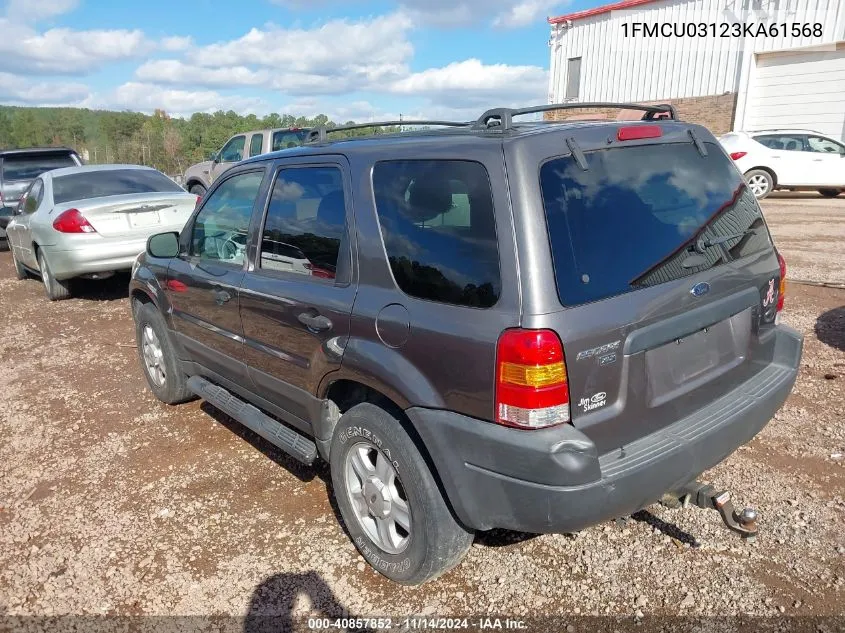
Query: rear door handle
x=221 y=296
x=315 y=323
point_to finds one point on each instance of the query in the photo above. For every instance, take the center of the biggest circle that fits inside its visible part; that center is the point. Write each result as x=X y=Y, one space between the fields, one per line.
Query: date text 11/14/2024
x=416 y=624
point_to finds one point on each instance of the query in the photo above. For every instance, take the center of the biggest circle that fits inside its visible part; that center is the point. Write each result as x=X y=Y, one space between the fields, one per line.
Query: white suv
x=788 y=159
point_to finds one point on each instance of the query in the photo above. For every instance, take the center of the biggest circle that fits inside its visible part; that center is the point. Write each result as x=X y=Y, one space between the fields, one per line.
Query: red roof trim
x=618 y=6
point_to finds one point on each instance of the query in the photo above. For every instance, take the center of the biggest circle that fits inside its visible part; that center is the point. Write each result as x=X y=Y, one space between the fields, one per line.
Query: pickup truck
x=198 y=178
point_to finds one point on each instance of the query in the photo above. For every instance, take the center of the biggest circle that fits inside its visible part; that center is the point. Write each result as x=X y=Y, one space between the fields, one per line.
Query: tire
x=56 y=290
x=433 y=541
x=830 y=193
x=760 y=182
x=20 y=271
x=158 y=357
x=4 y=244
x=198 y=190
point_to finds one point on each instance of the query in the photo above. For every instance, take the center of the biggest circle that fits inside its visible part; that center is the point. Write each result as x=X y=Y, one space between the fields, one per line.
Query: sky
x=349 y=59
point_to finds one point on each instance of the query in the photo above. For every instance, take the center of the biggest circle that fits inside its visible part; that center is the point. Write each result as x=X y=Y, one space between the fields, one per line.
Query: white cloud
x=146 y=97
x=503 y=13
x=65 y=51
x=471 y=81
x=18 y=90
x=31 y=10
x=176 y=43
x=525 y=13
x=376 y=47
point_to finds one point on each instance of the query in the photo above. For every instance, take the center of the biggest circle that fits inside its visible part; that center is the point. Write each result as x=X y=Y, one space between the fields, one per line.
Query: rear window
x=438 y=227
x=288 y=138
x=633 y=218
x=110 y=182
x=31 y=166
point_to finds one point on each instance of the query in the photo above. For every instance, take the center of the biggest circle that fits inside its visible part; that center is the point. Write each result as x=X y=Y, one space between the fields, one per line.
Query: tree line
x=169 y=144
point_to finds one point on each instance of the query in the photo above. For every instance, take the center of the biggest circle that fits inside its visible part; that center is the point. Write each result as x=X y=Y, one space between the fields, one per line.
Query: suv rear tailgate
x=671 y=301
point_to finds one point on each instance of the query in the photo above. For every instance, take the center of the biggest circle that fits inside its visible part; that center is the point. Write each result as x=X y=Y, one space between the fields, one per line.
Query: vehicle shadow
x=111 y=289
x=273 y=602
x=502 y=538
x=830 y=328
x=664 y=527
x=297 y=469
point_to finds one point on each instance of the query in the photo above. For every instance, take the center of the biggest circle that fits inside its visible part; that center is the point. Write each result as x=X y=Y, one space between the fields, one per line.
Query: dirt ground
x=112 y=503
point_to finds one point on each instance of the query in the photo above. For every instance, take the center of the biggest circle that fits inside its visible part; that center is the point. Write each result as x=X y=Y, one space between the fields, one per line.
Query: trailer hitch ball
x=743 y=522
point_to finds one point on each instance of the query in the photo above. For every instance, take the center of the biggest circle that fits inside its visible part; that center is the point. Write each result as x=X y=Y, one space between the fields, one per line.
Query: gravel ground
x=112 y=503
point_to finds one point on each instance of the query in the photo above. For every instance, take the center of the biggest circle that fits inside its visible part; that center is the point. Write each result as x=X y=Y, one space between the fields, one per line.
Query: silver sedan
x=91 y=221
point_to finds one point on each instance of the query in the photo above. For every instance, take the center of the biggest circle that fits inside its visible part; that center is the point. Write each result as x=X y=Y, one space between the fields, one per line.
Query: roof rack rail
x=502 y=118
x=319 y=134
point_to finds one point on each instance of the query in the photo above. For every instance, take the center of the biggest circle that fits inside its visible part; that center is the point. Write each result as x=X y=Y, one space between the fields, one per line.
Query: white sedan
x=92 y=221
x=788 y=159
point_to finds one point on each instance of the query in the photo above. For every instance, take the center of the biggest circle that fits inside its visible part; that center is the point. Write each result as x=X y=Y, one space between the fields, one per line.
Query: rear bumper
x=553 y=480
x=98 y=255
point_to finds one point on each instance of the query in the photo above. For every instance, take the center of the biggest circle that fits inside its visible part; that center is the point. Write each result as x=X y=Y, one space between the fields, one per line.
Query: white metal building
x=790 y=75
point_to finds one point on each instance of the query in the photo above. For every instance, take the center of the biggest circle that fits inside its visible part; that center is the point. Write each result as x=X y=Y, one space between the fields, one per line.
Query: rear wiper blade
x=701 y=243
x=696 y=251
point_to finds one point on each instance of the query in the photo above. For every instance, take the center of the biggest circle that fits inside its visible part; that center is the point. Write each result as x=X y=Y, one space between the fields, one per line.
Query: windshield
x=111 y=182
x=31 y=166
x=631 y=219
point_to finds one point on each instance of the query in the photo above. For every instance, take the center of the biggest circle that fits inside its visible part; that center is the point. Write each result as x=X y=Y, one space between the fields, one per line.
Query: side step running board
x=297 y=446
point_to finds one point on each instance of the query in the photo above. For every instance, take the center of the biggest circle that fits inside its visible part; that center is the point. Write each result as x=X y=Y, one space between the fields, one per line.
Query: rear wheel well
x=194 y=181
x=345 y=394
x=769 y=171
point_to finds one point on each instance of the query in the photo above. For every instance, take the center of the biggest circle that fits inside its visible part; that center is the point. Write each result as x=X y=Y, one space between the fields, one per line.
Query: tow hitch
x=705 y=496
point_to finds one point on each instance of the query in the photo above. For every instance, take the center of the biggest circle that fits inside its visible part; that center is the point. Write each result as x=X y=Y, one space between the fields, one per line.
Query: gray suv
x=532 y=326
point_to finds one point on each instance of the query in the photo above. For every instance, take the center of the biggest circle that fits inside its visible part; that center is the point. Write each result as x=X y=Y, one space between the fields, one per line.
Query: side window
x=233 y=151
x=439 y=231
x=824 y=145
x=33 y=197
x=573 y=77
x=788 y=142
x=256 y=144
x=220 y=228
x=305 y=228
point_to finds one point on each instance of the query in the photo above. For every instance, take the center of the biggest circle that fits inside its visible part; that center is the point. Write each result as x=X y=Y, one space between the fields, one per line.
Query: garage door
x=799 y=90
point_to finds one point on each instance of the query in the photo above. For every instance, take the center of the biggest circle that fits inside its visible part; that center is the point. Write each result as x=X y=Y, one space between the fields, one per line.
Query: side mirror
x=214 y=157
x=164 y=245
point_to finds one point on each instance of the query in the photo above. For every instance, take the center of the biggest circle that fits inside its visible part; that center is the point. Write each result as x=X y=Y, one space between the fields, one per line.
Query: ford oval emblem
x=700 y=289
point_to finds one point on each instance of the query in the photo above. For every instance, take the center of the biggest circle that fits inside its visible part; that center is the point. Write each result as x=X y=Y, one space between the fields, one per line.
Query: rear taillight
x=199 y=199
x=635 y=132
x=72 y=221
x=531 y=387
x=782 y=289
x=737 y=155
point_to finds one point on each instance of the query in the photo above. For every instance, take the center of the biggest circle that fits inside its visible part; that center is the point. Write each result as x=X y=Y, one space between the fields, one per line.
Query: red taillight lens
x=199 y=199
x=72 y=221
x=634 y=132
x=532 y=391
x=782 y=289
x=737 y=155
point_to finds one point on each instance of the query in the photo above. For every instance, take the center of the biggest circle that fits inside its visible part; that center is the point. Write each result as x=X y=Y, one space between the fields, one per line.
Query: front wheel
x=830 y=193
x=158 y=358
x=760 y=182
x=56 y=290
x=388 y=498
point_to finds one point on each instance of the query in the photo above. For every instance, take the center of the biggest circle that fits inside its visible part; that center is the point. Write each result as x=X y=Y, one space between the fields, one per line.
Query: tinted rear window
x=111 y=182
x=31 y=166
x=628 y=221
